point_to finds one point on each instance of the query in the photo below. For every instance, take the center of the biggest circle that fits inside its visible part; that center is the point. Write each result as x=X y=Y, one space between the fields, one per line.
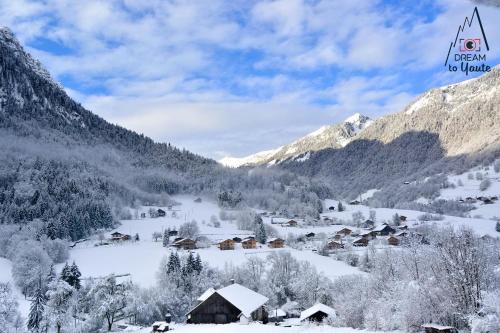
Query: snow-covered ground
x=259 y=328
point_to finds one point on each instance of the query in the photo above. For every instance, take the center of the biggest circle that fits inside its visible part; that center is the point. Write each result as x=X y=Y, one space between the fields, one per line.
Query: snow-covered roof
x=439 y=327
x=273 y=239
x=246 y=300
x=277 y=313
x=206 y=294
x=381 y=227
x=315 y=308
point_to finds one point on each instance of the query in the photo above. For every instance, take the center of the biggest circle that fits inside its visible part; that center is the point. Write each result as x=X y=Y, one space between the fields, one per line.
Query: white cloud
x=187 y=72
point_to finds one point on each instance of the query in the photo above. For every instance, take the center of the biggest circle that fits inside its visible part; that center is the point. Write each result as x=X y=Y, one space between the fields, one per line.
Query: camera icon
x=470 y=44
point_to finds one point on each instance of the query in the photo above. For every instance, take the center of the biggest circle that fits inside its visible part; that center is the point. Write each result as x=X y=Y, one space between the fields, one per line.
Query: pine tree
x=37 y=308
x=198 y=265
x=75 y=276
x=136 y=237
x=166 y=237
x=260 y=233
x=174 y=264
x=497 y=228
x=190 y=264
x=66 y=274
x=340 y=207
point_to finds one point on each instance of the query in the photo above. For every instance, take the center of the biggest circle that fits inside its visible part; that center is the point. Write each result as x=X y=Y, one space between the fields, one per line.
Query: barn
x=434 y=328
x=317 y=313
x=229 y=304
x=344 y=232
x=384 y=230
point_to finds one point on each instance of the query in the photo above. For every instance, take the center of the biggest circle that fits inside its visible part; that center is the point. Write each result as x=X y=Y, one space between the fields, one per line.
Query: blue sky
x=233 y=77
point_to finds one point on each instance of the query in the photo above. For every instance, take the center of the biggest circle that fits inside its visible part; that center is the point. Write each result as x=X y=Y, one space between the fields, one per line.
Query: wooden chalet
x=229 y=304
x=276 y=243
x=402 y=218
x=161 y=212
x=337 y=237
x=344 y=232
x=394 y=241
x=310 y=235
x=362 y=241
x=118 y=236
x=384 y=230
x=354 y=202
x=227 y=244
x=433 y=328
x=292 y=223
x=369 y=234
x=249 y=243
x=185 y=244
x=368 y=224
x=317 y=313
x=172 y=233
x=331 y=208
x=334 y=245
x=197 y=200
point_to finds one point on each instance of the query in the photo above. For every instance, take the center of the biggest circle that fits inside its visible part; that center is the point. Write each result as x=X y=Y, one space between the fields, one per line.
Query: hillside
x=447 y=129
x=66 y=166
x=331 y=136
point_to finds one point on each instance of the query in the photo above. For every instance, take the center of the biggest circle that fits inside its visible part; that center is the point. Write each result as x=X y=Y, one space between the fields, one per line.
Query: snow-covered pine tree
x=260 y=233
x=37 y=309
x=66 y=274
x=75 y=276
x=340 y=207
x=198 y=265
x=174 y=263
x=166 y=237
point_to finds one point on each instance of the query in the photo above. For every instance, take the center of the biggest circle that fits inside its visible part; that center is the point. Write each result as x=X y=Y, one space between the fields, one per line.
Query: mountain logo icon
x=468 y=51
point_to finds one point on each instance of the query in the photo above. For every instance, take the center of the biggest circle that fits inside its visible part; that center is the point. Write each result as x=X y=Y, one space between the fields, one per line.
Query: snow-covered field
x=259 y=328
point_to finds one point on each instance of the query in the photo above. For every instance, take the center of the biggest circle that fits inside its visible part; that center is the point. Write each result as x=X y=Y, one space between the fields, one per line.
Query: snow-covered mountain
x=330 y=136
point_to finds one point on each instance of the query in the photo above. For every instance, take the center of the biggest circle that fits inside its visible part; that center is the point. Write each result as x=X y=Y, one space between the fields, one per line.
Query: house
x=403 y=227
x=197 y=200
x=161 y=212
x=310 y=235
x=292 y=223
x=401 y=233
x=237 y=239
x=337 y=237
x=276 y=316
x=394 y=241
x=433 y=328
x=334 y=245
x=143 y=215
x=362 y=241
x=172 y=233
x=169 y=207
x=227 y=244
x=354 y=202
x=384 y=230
x=275 y=243
x=344 y=232
x=117 y=236
x=159 y=326
x=369 y=234
x=331 y=208
x=317 y=313
x=249 y=243
x=185 y=244
x=227 y=305
x=368 y=224
x=402 y=218
x=470 y=200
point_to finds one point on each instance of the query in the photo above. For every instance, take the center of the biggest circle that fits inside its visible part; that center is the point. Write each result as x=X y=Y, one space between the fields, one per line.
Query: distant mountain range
x=331 y=136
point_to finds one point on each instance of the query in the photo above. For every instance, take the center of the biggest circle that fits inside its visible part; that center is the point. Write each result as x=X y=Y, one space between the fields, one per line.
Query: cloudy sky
x=232 y=77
